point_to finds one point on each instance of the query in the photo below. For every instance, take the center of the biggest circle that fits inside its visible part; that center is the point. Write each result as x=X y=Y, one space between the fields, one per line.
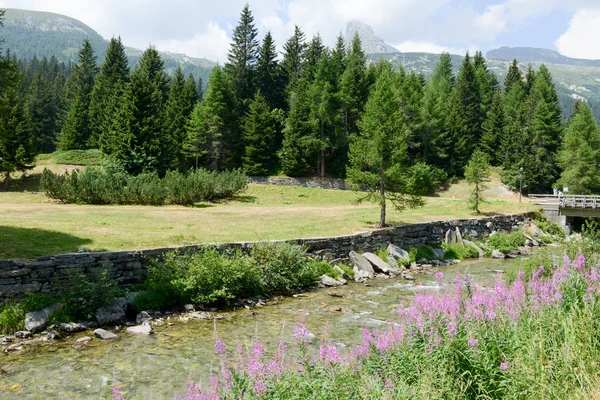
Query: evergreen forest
x=309 y=111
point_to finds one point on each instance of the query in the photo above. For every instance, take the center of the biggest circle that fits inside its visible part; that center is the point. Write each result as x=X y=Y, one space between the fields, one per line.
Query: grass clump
x=506 y=242
x=12 y=312
x=347 y=269
x=112 y=185
x=458 y=251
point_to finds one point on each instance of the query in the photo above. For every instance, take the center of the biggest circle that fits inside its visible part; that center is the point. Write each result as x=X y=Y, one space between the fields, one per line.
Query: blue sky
x=203 y=28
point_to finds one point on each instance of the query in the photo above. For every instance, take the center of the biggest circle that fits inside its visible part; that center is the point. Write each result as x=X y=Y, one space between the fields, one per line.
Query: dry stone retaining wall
x=322 y=183
x=42 y=274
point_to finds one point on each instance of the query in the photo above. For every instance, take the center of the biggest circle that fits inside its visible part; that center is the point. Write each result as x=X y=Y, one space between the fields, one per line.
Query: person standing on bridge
x=555 y=190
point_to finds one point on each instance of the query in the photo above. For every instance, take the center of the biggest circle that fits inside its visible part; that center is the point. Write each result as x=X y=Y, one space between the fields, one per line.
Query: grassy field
x=32 y=225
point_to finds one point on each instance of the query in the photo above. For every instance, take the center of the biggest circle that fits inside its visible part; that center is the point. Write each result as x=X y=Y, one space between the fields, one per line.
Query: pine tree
x=209 y=133
x=76 y=130
x=513 y=77
x=435 y=140
x=16 y=142
x=293 y=56
x=487 y=83
x=477 y=172
x=180 y=103
x=298 y=125
x=138 y=137
x=579 y=155
x=493 y=129
x=338 y=57
x=464 y=120
x=268 y=74
x=378 y=154
x=260 y=137
x=410 y=96
x=313 y=54
x=354 y=87
x=108 y=89
x=241 y=60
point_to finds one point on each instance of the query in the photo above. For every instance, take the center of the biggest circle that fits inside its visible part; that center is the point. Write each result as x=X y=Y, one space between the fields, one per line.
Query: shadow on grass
x=27 y=243
x=239 y=199
x=203 y=205
x=488 y=214
x=28 y=183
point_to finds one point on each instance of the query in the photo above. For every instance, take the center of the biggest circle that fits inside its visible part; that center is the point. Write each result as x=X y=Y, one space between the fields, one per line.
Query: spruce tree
x=241 y=60
x=293 y=56
x=298 y=125
x=464 y=120
x=410 y=96
x=209 y=132
x=513 y=77
x=435 y=139
x=354 y=87
x=180 y=103
x=260 y=137
x=493 y=129
x=486 y=82
x=268 y=74
x=314 y=51
x=338 y=57
x=76 y=130
x=378 y=155
x=477 y=172
x=579 y=155
x=138 y=137
x=108 y=89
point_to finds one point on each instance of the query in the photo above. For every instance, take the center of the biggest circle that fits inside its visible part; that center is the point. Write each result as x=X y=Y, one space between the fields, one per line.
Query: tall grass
x=536 y=338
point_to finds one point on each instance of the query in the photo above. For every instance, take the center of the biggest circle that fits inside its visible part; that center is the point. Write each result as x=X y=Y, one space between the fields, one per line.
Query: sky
x=201 y=28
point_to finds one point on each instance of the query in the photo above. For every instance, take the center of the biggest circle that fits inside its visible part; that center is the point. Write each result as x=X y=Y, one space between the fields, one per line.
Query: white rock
x=398 y=252
x=143 y=329
x=378 y=264
x=362 y=264
x=104 y=334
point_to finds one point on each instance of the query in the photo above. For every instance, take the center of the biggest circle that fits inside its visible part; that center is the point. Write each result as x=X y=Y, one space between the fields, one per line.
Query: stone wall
x=43 y=273
x=323 y=183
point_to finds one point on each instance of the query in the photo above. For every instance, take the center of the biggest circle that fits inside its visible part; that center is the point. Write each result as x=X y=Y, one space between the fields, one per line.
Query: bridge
x=563 y=208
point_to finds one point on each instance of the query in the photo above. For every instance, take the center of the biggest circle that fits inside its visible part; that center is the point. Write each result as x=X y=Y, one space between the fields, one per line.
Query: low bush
x=423 y=179
x=112 y=185
x=505 y=242
x=550 y=227
x=458 y=251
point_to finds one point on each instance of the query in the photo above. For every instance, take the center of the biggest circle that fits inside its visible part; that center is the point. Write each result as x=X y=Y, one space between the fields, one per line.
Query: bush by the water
x=213 y=278
x=505 y=242
x=459 y=251
x=112 y=185
x=531 y=339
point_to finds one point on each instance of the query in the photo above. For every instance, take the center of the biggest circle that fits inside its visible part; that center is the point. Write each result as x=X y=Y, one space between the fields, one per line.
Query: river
x=160 y=365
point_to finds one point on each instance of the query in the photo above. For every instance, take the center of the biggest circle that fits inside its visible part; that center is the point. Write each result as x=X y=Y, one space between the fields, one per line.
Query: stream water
x=160 y=365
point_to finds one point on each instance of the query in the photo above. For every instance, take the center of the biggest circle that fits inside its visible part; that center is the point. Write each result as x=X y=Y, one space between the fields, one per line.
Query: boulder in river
x=378 y=264
x=143 y=329
x=398 y=252
x=112 y=314
x=341 y=272
x=71 y=327
x=362 y=264
x=360 y=275
x=498 y=255
x=450 y=237
x=104 y=334
x=142 y=317
x=23 y=334
x=329 y=281
x=36 y=321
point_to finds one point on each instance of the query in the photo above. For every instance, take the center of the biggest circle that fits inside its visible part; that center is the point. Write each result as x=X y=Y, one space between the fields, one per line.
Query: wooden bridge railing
x=567 y=201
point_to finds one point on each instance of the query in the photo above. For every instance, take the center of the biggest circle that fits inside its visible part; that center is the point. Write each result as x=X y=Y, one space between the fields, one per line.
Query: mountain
x=371 y=44
x=43 y=34
x=532 y=54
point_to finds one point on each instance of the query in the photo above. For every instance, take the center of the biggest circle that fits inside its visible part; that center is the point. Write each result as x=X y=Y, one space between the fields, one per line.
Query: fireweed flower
x=439 y=276
x=473 y=342
x=219 y=347
x=504 y=366
x=301 y=334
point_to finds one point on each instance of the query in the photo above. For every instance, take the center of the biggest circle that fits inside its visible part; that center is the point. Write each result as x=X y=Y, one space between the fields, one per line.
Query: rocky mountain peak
x=371 y=43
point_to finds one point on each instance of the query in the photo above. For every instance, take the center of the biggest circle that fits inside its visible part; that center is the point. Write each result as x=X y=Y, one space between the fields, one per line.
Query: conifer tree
x=242 y=57
x=493 y=129
x=260 y=137
x=410 y=96
x=268 y=74
x=179 y=106
x=513 y=77
x=209 y=133
x=314 y=51
x=298 y=125
x=464 y=120
x=354 y=87
x=76 y=130
x=378 y=154
x=338 y=57
x=486 y=82
x=579 y=155
x=435 y=139
x=477 y=172
x=139 y=138
x=293 y=57
x=108 y=89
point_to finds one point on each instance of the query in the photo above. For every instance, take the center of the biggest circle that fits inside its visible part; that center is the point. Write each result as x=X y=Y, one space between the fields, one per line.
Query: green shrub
x=320 y=268
x=284 y=268
x=423 y=179
x=458 y=251
x=550 y=227
x=37 y=302
x=59 y=316
x=112 y=185
x=505 y=242
x=81 y=295
x=421 y=251
x=382 y=253
x=12 y=318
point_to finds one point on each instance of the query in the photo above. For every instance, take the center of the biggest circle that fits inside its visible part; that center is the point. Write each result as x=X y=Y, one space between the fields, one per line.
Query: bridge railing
x=567 y=201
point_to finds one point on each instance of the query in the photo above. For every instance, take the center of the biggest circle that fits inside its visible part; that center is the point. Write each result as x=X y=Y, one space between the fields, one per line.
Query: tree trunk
x=382 y=194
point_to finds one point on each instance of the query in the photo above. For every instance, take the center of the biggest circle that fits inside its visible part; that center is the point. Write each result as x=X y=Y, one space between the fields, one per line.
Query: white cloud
x=212 y=44
x=410 y=46
x=580 y=39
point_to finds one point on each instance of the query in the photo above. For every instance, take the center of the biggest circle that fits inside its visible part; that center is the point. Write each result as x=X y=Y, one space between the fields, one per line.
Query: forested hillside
x=313 y=111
